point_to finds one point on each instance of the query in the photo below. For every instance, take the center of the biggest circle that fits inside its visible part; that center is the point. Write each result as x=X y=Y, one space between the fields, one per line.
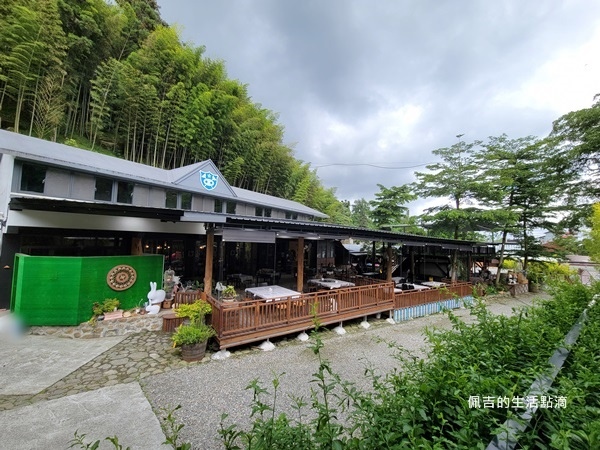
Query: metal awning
x=44 y=203
x=246 y=235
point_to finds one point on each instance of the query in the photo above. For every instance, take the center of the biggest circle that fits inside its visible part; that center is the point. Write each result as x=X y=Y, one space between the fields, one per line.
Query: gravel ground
x=207 y=390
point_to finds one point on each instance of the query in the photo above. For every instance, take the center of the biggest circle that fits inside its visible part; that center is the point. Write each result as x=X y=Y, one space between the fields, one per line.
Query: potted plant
x=535 y=276
x=107 y=310
x=193 y=340
x=229 y=293
x=193 y=336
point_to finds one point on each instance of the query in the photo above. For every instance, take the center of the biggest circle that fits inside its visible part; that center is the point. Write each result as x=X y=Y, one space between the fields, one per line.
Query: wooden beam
x=300 y=265
x=388 y=275
x=136 y=245
x=208 y=264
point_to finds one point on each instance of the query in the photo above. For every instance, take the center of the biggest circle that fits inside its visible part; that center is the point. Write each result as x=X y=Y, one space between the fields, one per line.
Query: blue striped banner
x=411 y=312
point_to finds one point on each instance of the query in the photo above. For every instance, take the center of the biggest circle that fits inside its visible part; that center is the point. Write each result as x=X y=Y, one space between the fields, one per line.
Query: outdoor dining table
x=412 y=287
x=330 y=283
x=371 y=274
x=433 y=284
x=420 y=287
x=240 y=278
x=274 y=292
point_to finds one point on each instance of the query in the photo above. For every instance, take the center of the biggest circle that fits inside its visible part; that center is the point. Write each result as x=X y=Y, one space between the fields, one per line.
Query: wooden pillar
x=221 y=259
x=388 y=275
x=300 y=265
x=373 y=257
x=136 y=245
x=470 y=267
x=208 y=265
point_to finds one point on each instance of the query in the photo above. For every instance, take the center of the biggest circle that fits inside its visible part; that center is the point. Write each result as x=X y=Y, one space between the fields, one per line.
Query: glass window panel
x=171 y=199
x=231 y=207
x=186 y=201
x=104 y=188
x=218 y=205
x=32 y=178
x=124 y=192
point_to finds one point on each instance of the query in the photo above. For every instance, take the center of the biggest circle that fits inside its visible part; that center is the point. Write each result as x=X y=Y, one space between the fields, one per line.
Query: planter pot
x=534 y=287
x=167 y=304
x=193 y=352
x=113 y=315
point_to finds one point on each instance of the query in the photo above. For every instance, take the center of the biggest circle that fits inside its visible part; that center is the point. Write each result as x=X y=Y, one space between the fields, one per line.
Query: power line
x=371 y=165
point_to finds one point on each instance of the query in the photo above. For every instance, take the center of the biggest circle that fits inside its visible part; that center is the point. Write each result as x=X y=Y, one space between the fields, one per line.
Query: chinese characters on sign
x=517 y=402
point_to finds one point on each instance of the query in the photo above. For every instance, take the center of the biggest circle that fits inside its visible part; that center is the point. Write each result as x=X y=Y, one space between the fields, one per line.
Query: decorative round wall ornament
x=121 y=277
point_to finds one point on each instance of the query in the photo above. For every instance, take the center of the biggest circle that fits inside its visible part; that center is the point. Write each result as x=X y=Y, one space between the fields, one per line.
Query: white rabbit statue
x=155 y=298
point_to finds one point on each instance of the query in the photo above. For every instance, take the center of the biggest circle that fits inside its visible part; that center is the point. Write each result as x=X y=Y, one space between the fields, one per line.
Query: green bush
x=426 y=404
x=109 y=304
x=192 y=334
x=194 y=311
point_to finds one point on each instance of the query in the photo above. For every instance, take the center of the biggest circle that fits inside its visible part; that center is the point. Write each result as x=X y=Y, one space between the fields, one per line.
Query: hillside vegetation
x=115 y=77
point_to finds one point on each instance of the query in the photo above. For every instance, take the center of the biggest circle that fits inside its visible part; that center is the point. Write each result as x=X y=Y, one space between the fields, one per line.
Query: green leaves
x=425 y=403
x=388 y=206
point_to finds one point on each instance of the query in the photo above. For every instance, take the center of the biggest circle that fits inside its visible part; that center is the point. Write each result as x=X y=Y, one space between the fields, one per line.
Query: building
x=57 y=200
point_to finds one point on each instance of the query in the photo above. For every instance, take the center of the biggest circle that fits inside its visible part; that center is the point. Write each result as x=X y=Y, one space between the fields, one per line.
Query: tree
x=456 y=179
x=523 y=187
x=388 y=206
x=576 y=141
x=361 y=214
x=592 y=243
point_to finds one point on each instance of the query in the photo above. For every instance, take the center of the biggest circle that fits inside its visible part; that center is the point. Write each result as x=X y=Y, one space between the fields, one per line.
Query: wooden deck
x=243 y=322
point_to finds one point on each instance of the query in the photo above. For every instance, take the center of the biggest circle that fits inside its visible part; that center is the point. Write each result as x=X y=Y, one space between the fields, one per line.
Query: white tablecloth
x=433 y=284
x=330 y=283
x=272 y=292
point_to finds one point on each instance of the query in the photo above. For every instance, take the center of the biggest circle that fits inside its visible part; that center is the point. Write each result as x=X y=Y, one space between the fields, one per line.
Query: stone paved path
x=137 y=356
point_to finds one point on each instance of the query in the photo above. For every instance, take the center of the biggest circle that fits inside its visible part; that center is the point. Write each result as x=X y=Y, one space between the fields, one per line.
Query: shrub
x=192 y=334
x=427 y=404
x=195 y=311
x=109 y=304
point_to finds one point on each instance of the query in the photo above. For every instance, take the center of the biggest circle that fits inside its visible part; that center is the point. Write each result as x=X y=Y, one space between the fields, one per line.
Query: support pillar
x=300 y=265
x=136 y=245
x=388 y=274
x=208 y=265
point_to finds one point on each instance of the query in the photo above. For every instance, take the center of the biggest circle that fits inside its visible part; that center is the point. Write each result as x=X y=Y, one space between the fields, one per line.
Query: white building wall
x=7 y=164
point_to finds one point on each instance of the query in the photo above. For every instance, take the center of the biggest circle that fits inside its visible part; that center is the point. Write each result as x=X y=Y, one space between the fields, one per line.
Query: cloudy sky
x=363 y=83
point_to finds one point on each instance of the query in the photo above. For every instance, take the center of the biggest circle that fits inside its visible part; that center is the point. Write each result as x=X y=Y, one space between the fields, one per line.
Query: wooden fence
x=249 y=321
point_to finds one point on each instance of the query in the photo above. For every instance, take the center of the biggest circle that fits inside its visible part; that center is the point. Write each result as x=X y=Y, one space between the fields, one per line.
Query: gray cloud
x=386 y=82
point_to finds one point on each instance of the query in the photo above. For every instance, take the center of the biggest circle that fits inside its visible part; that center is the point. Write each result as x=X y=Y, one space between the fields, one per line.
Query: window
x=218 y=205
x=124 y=192
x=231 y=207
x=171 y=199
x=289 y=215
x=104 y=189
x=263 y=212
x=32 y=178
x=186 y=201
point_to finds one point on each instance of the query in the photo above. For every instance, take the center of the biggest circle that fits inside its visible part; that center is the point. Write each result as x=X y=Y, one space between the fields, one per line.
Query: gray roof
x=60 y=155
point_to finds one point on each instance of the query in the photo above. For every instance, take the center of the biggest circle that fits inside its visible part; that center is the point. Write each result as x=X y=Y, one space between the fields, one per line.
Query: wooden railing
x=248 y=321
x=413 y=298
x=186 y=297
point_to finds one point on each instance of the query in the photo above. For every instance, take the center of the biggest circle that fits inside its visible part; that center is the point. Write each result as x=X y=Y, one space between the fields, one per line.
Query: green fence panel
x=46 y=290
x=57 y=290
